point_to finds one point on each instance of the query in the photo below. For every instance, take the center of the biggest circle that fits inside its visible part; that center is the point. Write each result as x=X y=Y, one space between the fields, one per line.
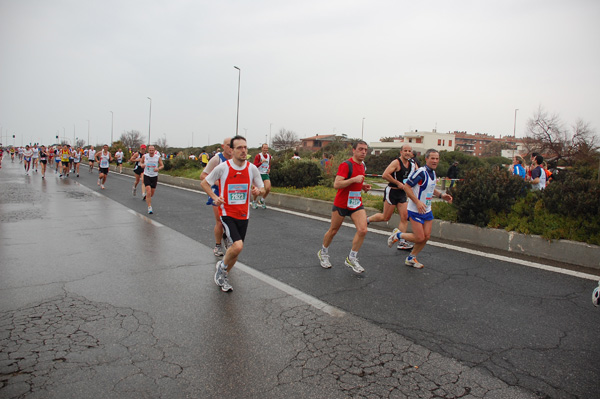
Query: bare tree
x=132 y=139
x=285 y=139
x=161 y=143
x=547 y=134
x=79 y=143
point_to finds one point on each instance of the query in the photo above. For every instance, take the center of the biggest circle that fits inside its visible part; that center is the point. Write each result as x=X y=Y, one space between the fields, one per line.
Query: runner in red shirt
x=348 y=202
x=236 y=179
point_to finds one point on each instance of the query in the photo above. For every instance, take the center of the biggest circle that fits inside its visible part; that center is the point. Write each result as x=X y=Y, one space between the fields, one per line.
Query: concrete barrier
x=571 y=252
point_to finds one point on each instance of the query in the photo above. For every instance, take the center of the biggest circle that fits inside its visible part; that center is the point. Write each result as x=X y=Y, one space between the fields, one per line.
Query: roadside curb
x=571 y=252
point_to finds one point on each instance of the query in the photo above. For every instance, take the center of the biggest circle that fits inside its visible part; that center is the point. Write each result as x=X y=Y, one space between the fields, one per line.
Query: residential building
x=420 y=142
x=315 y=143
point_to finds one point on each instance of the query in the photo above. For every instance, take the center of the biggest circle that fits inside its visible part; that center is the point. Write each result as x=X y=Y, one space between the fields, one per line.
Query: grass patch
x=187 y=173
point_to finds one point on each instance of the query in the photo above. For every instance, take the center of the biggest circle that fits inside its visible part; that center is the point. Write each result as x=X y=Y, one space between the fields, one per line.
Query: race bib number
x=354 y=199
x=237 y=194
x=428 y=198
x=151 y=166
x=104 y=163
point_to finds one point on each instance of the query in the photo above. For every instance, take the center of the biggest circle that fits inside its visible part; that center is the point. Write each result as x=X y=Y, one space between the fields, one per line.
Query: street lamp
x=149 y=120
x=362 y=133
x=112 y=125
x=515 y=132
x=237 y=121
x=88 y=132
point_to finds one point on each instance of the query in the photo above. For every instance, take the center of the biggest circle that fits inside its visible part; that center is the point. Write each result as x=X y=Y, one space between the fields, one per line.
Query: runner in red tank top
x=348 y=202
x=236 y=180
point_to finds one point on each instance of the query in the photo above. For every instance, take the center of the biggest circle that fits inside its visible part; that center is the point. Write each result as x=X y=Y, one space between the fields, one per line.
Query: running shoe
x=77 y=174
x=144 y=197
x=253 y=204
x=413 y=263
x=393 y=237
x=218 y=251
x=226 y=287
x=220 y=274
x=150 y=210
x=262 y=203
x=353 y=263
x=403 y=244
x=134 y=191
x=324 y=259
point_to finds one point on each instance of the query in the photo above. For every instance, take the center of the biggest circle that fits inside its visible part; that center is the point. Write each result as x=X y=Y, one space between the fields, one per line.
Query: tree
x=546 y=134
x=79 y=143
x=161 y=143
x=132 y=139
x=285 y=139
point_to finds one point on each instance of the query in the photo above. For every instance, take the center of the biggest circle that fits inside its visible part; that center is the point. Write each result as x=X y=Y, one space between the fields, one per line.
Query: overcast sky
x=311 y=66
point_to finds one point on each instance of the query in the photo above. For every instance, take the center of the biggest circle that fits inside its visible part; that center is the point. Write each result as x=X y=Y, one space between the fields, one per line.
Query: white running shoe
x=353 y=263
x=393 y=237
x=413 y=263
x=150 y=210
x=134 y=191
x=403 y=244
x=218 y=251
x=324 y=259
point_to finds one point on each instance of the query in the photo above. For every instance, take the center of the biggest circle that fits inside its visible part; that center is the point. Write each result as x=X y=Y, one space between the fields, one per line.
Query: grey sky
x=314 y=67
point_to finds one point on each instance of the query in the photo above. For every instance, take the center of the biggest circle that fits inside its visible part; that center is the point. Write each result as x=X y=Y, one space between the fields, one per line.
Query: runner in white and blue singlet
x=420 y=189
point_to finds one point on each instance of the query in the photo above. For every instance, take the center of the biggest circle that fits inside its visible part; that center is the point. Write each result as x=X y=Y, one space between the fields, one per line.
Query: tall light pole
x=362 y=133
x=88 y=143
x=149 y=120
x=270 y=126
x=237 y=121
x=112 y=125
x=515 y=132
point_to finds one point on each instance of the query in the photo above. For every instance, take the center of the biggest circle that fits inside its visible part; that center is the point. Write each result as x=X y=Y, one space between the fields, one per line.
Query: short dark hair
x=539 y=159
x=430 y=151
x=357 y=142
x=234 y=138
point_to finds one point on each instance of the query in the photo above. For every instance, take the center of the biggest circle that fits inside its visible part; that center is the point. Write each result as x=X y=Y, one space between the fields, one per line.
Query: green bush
x=573 y=196
x=295 y=173
x=529 y=215
x=485 y=191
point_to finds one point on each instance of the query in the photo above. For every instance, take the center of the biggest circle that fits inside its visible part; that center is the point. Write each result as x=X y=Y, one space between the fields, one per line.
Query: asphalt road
x=530 y=328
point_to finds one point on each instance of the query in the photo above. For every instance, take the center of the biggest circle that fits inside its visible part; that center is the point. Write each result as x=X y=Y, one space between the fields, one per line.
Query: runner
x=57 y=166
x=204 y=158
x=35 y=157
x=394 y=197
x=349 y=182
x=138 y=170
x=262 y=160
x=238 y=179
x=151 y=163
x=103 y=157
x=1 y=155
x=212 y=163
x=76 y=161
x=12 y=154
x=27 y=155
x=65 y=154
x=91 y=157
x=119 y=158
x=420 y=189
x=43 y=160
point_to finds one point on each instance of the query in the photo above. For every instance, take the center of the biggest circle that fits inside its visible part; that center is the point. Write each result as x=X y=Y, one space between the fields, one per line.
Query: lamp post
x=149 y=120
x=112 y=125
x=362 y=133
x=515 y=132
x=88 y=132
x=237 y=121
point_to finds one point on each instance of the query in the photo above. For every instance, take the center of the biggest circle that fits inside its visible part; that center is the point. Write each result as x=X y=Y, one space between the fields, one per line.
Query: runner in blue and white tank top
x=151 y=163
x=420 y=189
x=221 y=157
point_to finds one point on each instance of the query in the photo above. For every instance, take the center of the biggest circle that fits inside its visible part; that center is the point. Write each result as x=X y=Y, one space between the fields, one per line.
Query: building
x=478 y=144
x=419 y=141
x=315 y=143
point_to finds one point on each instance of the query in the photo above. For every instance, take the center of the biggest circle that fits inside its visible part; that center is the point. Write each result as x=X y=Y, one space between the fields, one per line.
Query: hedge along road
x=532 y=328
